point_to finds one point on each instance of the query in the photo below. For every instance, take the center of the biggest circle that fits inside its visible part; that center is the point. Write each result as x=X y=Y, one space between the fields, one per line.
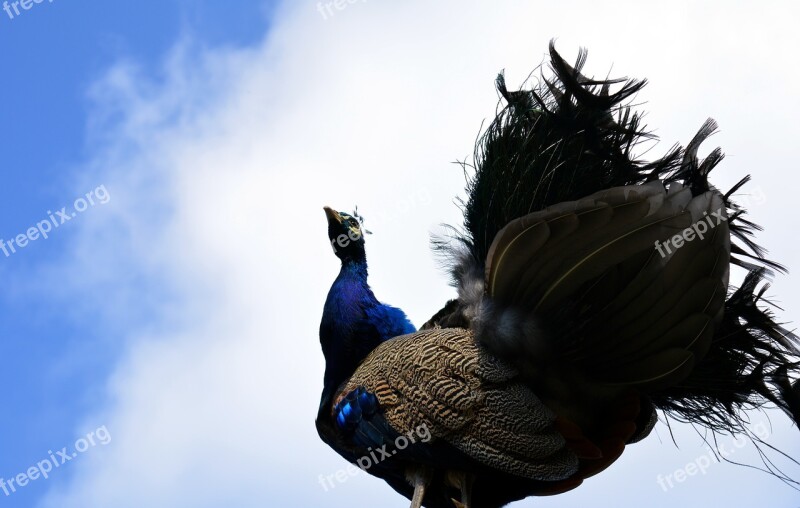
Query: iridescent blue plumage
x=356 y=405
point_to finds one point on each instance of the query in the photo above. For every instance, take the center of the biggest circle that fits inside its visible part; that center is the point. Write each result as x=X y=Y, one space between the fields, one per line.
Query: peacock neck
x=354 y=268
x=345 y=335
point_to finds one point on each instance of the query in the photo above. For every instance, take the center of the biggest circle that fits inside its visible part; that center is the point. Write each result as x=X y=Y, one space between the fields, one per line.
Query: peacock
x=592 y=292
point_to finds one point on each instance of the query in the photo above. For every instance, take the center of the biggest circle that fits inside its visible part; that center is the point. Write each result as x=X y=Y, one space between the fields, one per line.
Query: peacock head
x=346 y=234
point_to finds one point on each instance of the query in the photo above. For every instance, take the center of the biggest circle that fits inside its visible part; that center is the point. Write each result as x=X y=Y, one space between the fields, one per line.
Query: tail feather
x=790 y=392
x=557 y=142
x=748 y=365
x=570 y=137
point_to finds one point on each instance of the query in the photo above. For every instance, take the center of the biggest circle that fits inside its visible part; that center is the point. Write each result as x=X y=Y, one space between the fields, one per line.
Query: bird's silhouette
x=593 y=292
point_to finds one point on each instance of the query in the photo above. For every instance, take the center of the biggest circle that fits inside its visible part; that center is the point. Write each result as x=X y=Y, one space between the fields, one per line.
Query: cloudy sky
x=164 y=335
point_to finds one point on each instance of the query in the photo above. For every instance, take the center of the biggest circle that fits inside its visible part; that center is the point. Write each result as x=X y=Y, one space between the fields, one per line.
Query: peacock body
x=593 y=291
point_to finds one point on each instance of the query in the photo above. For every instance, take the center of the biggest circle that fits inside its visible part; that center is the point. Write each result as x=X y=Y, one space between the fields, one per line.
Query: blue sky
x=56 y=353
x=178 y=317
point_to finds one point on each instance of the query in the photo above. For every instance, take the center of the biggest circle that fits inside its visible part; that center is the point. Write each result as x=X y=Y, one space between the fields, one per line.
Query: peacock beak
x=334 y=217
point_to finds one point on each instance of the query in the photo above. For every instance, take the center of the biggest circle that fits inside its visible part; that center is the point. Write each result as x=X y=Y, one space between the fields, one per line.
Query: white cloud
x=219 y=170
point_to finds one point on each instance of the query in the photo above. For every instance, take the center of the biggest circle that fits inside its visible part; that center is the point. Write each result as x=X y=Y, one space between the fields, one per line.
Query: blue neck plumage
x=354 y=322
x=344 y=321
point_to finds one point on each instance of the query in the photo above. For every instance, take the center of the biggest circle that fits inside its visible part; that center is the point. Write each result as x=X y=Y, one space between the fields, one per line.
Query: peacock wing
x=633 y=279
x=469 y=403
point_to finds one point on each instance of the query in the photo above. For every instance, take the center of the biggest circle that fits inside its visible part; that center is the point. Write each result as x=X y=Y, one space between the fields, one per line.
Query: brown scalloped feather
x=466 y=397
